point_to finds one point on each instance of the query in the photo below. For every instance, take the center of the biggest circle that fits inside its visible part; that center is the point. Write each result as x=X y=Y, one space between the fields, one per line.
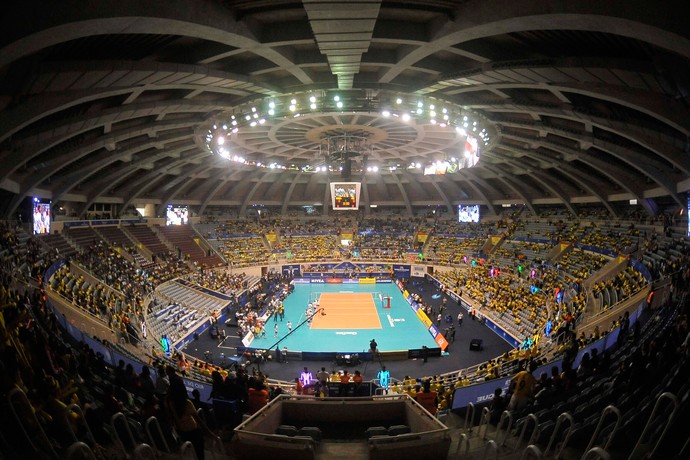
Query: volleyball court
x=346 y=310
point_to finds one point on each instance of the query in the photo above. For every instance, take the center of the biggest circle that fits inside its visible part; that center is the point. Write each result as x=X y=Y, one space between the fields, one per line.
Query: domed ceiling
x=116 y=102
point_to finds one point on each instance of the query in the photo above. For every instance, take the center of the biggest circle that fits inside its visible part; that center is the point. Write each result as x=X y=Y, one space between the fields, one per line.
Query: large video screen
x=468 y=213
x=41 y=217
x=345 y=195
x=177 y=215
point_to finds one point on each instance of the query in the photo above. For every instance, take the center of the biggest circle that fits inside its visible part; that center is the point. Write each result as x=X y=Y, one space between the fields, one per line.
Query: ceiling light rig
x=406 y=108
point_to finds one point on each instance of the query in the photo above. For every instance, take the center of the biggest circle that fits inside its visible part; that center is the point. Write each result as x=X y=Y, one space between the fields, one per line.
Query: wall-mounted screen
x=468 y=213
x=177 y=215
x=41 y=217
x=345 y=195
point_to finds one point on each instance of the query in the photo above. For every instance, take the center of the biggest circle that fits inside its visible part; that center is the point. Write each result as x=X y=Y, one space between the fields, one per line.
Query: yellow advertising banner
x=423 y=318
x=271 y=237
x=346 y=236
x=495 y=240
x=367 y=281
x=421 y=237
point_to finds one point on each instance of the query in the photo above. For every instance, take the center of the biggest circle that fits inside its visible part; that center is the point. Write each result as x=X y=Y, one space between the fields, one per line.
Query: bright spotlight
x=312 y=106
x=375 y=168
x=293 y=101
x=312 y=99
x=339 y=104
x=406 y=117
x=398 y=101
x=248 y=117
x=271 y=105
x=271 y=112
x=386 y=113
x=336 y=98
x=221 y=140
x=292 y=107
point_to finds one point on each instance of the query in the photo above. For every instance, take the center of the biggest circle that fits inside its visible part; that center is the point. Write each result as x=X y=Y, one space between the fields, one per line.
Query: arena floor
x=458 y=357
x=354 y=315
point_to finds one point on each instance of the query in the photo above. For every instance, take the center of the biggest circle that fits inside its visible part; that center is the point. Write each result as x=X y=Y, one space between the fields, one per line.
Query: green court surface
x=400 y=327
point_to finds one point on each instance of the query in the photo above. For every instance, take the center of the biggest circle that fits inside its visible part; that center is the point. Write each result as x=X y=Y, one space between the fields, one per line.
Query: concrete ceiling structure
x=104 y=102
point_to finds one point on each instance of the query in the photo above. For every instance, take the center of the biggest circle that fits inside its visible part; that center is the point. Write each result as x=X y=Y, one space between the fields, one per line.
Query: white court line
x=390 y=321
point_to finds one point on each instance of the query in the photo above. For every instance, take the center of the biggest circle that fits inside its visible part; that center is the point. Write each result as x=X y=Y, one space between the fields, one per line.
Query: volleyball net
x=380 y=299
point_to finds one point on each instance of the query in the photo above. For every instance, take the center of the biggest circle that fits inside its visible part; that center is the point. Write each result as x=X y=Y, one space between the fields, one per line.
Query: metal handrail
x=144 y=452
x=484 y=422
x=469 y=417
x=535 y=430
x=641 y=446
x=490 y=447
x=80 y=450
x=596 y=453
x=17 y=397
x=154 y=421
x=122 y=419
x=608 y=409
x=565 y=416
x=187 y=449
x=532 y=451
x=501 y=434
x=80 y=414
x=463 y=441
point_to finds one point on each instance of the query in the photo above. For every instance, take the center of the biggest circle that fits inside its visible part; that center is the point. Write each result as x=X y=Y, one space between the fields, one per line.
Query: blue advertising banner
x=401 y=271
x=501 y=333
x=482 y=393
